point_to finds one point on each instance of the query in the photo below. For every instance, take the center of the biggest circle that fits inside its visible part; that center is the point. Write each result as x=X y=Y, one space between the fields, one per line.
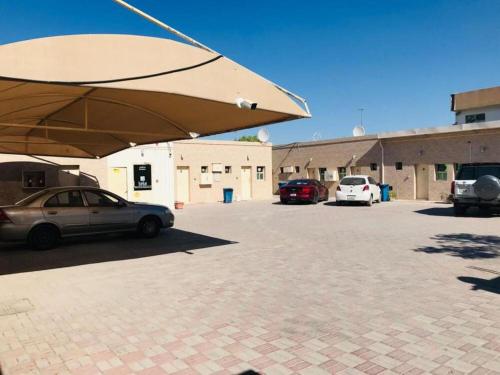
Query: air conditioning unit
x=331 y=176
x=206 y=179
x=289 y=169
x=217 y=168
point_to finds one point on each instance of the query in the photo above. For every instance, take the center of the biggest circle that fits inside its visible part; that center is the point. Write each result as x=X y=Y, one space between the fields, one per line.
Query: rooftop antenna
x=359 y=130
x=190 y=40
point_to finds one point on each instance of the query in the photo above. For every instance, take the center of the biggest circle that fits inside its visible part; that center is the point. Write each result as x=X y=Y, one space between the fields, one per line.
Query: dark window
x=297 y=169
x=373 y=166
x=228 y=169
x=399 y=165
x=441 y=172
x=342 y=172
x=204 y=169
x=477 y=117
x=71 y=198
x=322 y=172
x=282 y=170
x=353 y=181
x=98 y=199
x=34 y=179
x=473 y=172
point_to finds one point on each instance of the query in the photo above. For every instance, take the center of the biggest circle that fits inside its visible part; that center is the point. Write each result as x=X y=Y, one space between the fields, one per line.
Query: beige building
x=418 y=164
x=204 y=168
x=21 y=175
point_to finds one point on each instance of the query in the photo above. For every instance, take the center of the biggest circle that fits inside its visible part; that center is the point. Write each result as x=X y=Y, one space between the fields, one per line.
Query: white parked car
x=476 y=185
x=358 y=189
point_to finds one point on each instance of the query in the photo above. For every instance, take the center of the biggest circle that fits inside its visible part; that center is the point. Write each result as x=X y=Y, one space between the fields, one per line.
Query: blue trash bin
x=228 y=195
x=384 y=192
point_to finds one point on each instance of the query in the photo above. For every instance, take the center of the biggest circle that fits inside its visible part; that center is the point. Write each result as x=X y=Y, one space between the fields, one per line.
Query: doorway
x=422 y=181
x=182 y=186
x=246 y=183
x=118 y=182
x=311 y=173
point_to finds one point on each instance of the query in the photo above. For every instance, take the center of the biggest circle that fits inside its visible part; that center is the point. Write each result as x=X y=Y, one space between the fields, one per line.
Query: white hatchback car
x=358 y=189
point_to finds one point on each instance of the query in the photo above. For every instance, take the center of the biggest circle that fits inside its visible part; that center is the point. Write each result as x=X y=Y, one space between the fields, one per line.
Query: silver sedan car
x=44 y=217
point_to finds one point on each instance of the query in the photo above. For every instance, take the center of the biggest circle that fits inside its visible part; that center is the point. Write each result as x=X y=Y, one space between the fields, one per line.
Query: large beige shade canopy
x=92 y=95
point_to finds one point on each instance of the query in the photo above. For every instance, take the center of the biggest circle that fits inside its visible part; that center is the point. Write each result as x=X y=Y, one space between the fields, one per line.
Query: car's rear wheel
x=315 y=198
x=283 y=201
x=339 y=203
x=459 y=210
x=43 y=237
x=369 y=203
x=149 y=227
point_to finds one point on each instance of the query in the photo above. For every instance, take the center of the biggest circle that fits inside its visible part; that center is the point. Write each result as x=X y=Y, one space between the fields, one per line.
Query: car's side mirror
x=121 y=204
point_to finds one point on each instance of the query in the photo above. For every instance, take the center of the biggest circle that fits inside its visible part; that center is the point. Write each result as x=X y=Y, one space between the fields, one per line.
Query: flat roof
x=475 y=99
x=417 y=132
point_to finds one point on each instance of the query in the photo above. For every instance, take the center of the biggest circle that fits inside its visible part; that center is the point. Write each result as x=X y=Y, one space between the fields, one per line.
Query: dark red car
x=304 y=190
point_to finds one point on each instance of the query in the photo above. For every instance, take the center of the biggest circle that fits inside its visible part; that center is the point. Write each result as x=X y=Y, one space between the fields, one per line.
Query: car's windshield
x=353 y=181
x=300 y=182
x=473 y=172
x=30 y=199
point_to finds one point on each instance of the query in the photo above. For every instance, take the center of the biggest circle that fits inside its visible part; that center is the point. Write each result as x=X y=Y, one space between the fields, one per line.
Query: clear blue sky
x=400 y=60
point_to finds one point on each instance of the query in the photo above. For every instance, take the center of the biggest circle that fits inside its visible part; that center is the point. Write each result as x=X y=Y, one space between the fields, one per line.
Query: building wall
x=353 y=154
x=425 y=150
x=58 y=172
x=160 y=158
x=197 y=153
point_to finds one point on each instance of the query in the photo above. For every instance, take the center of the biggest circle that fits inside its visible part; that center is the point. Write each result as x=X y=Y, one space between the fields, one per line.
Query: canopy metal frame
x=195 y=43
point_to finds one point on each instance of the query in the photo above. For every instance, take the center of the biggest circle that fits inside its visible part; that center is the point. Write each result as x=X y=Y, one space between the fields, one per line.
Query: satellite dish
x=358 y=131
x=263 y=135
x=317 y=136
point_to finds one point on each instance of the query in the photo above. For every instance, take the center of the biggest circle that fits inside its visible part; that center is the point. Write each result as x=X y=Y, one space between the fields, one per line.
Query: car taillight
x=306 y=190
x=366 y=188
x=338 y=188
x=3 y=217
x=453 y=187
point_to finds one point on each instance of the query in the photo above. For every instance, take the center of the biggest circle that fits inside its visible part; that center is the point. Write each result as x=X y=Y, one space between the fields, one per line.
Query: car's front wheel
x=149 y=227
x=43 y=237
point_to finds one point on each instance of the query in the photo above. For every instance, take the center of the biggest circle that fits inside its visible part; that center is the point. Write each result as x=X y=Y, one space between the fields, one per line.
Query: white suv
x=476 y=185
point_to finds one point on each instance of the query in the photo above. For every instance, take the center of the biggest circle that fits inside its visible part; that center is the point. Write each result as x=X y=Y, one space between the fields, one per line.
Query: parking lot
x=398 y=288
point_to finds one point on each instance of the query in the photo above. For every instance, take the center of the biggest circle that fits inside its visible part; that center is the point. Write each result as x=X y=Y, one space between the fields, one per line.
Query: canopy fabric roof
x=92 y=95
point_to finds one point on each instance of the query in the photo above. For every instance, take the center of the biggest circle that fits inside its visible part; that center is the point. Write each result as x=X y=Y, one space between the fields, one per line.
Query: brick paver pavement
x=399 y=288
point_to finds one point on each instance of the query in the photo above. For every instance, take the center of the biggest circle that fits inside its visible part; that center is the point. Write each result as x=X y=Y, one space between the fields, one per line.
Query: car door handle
x=52 y=212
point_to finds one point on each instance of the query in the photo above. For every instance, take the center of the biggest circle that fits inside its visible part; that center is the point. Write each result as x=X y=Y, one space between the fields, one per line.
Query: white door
x=246 y=183
x=422 y=181
x=182 y=179
x=118 y=182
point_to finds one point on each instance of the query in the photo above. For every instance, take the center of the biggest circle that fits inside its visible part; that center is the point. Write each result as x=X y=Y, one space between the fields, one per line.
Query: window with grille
x=261 y=173
x=373 y=166
x=399 y=166
x=322 y=172
x=342 y=172
x=441 y=172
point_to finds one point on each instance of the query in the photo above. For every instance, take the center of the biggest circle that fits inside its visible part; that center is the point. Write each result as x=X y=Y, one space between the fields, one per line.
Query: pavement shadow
x=464 y=245
x=16 y=258
x=448 y=211
x=492 y=285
